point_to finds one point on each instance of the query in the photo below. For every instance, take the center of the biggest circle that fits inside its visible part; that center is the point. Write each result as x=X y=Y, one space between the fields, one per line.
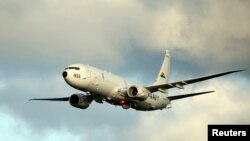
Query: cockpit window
x=74 y=68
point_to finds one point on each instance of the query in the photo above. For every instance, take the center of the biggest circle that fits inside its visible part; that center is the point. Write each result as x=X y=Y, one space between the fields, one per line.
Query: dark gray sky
x=38 y=39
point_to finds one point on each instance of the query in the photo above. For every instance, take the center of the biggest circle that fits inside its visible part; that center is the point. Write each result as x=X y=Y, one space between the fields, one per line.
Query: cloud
x=62 y=32
x=14 y=128
x=39 y=38
x=188 y=119
x=213 y=31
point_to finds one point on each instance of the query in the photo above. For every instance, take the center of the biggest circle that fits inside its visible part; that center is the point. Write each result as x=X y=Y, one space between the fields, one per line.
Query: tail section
x=163 y=76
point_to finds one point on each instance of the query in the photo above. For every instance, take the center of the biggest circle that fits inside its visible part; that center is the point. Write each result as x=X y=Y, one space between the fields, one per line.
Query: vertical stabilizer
x=163 y=76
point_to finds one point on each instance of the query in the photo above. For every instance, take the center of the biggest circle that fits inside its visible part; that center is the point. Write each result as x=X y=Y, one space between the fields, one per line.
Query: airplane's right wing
x=180 y=84
x=176 y=97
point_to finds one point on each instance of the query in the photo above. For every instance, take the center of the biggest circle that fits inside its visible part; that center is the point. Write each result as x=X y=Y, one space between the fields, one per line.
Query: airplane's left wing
x=52 y=99
x=180 y=84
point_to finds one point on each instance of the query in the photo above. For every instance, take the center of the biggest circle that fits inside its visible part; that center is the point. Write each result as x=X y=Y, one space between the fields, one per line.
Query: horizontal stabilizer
x=52 y=99
x=187 y=95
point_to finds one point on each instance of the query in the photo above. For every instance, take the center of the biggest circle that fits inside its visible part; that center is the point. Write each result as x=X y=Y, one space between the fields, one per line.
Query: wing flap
x=180 y=84
x=176 y=97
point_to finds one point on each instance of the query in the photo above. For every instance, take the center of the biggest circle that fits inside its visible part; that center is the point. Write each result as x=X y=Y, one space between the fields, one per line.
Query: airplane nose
x=64 y=74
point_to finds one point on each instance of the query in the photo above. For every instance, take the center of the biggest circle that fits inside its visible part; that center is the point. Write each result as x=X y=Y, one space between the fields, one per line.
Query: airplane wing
x=180 y=84
x=52 y=99
x=187 y=95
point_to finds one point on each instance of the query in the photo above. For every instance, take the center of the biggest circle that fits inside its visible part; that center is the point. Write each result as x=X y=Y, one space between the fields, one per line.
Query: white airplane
x=102 y=86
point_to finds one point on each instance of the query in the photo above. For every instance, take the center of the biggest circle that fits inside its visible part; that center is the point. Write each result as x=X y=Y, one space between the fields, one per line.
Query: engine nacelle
x=79 y=101
x=137 y=93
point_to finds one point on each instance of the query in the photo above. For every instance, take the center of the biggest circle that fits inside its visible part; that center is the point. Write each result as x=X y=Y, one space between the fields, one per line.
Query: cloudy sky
x=39 y=38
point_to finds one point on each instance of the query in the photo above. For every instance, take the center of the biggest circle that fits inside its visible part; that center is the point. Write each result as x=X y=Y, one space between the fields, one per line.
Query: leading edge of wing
x=180 y=84
x=52 y=99
x=176 y=97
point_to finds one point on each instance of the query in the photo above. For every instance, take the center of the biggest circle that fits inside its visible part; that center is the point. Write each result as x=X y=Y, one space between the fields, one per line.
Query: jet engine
x=79 y=101
x=137 y=93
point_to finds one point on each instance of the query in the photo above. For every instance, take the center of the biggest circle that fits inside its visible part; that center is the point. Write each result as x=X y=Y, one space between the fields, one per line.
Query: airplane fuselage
x=100 y=86
x=109 y=87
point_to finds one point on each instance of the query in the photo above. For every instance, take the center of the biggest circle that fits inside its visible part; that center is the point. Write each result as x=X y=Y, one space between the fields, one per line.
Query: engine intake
x=137 y=93
x=79 y=101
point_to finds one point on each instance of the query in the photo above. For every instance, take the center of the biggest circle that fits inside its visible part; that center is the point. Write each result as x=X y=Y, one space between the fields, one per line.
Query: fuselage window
x=74 y=68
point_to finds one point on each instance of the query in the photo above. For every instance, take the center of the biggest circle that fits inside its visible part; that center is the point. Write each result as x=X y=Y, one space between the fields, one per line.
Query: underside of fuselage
x=138 y=105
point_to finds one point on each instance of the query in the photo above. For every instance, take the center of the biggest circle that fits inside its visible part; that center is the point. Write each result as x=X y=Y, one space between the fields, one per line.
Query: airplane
x=101 y=86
